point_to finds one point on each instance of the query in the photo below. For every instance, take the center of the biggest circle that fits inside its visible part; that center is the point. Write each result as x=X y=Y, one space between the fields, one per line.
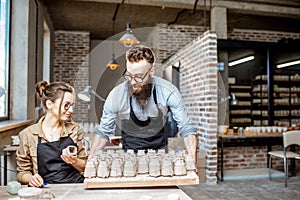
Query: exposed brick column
x=71 y=65
x=199 y=86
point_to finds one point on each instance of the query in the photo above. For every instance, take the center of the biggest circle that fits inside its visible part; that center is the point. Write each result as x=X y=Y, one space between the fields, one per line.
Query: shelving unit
x=286 y=100
x=260 y=101
x=295 y=99
x=240 y=114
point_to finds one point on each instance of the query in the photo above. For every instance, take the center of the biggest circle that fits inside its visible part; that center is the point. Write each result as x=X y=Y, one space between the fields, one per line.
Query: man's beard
x=143 y=95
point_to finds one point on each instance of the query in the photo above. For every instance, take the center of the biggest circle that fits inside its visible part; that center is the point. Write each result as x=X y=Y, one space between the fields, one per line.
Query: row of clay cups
x=268 y=129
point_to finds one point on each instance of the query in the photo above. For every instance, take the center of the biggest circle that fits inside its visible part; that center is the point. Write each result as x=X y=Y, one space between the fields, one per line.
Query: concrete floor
x=252 y=189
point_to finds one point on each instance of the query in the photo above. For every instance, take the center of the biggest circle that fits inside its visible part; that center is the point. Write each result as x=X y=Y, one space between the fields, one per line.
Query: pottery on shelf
x=179 y=167
x=103 y=169
x=116 y=168
x=90 y=169
x=142 y=166
x=167 y=167
x=129 y=168
x=154 y=167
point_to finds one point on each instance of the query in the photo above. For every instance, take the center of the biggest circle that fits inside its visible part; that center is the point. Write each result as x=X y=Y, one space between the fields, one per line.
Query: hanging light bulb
x=128 y=39
x=113 y=63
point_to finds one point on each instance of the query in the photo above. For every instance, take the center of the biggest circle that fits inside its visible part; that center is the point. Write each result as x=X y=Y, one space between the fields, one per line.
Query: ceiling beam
x=288 y=8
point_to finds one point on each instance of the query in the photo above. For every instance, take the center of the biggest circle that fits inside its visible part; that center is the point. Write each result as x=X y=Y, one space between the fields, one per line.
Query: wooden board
x=141 y=181
x=248 y=133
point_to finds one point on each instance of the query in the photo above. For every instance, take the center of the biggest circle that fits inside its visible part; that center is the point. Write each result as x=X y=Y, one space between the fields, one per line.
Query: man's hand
x=98 y=143
x=190 y=143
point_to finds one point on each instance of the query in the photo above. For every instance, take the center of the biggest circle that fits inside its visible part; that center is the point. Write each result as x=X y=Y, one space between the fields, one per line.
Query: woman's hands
x=36 y=181
x=70 y=159
x=77 y=163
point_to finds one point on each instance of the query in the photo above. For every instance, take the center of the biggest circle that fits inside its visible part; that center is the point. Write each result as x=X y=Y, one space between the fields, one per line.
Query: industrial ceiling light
x=296 y=62
x=128 y=39
x=233 y=100
x=84 y=95
x=240 y=61
x=112 y=64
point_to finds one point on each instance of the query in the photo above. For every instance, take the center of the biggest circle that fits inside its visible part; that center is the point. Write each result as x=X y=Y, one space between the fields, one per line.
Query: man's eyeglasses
x=138 y=79
x=68 y=105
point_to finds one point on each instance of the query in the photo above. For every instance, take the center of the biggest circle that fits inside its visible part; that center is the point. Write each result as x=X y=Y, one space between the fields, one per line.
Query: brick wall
x=260 y=35
x=169 y=39
x=71 y=65
x=246 y=157
x=198 y=86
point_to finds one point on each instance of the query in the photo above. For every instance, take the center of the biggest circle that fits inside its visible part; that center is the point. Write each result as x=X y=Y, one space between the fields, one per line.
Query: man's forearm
x=190 y=142
x=98 y=143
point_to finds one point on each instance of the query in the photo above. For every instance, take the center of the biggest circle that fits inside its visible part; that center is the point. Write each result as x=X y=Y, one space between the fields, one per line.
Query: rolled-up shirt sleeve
x=184 y=123
x=24 y=158
x=107 y=122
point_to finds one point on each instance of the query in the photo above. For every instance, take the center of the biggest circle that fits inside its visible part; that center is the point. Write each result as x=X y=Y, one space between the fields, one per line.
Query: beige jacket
x=27 y=152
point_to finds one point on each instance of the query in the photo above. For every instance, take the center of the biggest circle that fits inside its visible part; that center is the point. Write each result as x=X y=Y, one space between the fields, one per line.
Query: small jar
x=241 y=130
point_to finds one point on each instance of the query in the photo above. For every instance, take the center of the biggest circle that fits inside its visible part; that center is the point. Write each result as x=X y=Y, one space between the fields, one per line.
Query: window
x=4 y=55
x=46 y=53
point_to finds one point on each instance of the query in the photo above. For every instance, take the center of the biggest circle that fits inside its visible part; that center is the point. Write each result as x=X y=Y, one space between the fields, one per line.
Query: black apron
x=50 y=165
x=143 y=135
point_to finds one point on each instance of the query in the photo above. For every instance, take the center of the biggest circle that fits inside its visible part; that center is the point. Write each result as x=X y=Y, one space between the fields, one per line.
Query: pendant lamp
x=112 y=64
x=128 y=39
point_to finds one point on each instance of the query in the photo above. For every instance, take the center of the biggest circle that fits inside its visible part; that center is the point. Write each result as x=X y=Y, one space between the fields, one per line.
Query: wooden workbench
x=78 y=191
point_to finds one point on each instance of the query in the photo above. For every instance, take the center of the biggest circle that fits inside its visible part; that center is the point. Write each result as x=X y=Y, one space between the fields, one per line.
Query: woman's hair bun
x=40 y=88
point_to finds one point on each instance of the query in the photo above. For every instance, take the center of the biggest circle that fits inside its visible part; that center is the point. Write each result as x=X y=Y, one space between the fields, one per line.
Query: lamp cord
x=113 y=33
x=205 y=15
x=129 y=10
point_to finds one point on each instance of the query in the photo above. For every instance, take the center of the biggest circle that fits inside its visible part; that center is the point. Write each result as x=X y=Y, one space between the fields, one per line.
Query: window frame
x=7 y=37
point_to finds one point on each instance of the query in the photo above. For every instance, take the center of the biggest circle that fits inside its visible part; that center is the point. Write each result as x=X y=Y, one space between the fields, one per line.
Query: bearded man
x=139 y=107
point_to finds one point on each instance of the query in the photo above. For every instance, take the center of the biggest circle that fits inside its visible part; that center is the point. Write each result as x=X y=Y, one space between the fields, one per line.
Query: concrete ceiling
x=96 y=16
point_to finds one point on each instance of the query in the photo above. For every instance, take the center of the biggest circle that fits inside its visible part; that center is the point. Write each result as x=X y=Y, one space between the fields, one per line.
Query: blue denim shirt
x=117 y=108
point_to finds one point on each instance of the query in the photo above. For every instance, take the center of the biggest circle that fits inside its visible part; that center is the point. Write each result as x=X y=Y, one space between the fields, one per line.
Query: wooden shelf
x=12 y=124
x=285 y=90
x=240 y=87
x=240 y=114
